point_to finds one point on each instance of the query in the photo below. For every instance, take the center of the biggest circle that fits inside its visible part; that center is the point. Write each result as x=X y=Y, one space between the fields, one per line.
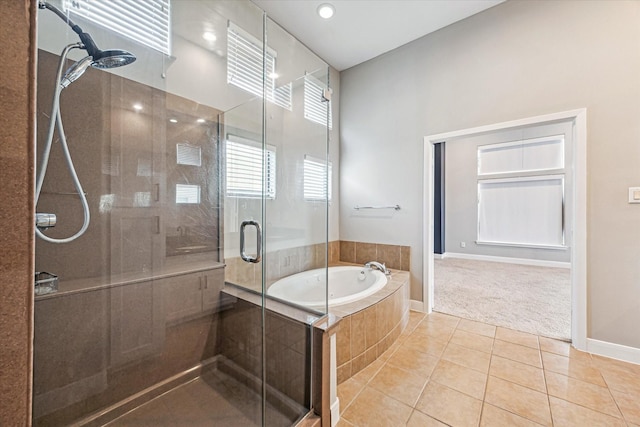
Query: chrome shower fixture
x=98 y=59
x=103 y=59
x=75 y=71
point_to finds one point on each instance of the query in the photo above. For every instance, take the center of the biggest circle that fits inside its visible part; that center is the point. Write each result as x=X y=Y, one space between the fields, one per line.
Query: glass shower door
x=276 y=194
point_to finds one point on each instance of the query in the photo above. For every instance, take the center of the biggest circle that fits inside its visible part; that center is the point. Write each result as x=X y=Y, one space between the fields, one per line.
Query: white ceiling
x=363 y=29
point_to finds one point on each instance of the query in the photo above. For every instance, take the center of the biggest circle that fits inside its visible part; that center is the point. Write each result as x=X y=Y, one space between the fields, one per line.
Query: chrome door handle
x=243 y=254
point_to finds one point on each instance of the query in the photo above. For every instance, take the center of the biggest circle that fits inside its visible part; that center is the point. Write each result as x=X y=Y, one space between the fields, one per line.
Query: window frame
x=152 y=28
x=245 y=52
x=271 y=158
x=314 y=105
x=524 y=175
x=317 y=194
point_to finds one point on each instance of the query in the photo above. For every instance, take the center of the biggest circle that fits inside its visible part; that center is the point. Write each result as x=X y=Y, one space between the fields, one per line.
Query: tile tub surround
x=393 y=256
x=281 y=263
x=370 y=326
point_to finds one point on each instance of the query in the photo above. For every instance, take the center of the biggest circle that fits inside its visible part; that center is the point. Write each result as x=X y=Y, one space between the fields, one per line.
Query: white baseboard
x=335 y=412
x=508 y=260
x=439 y=256
x=416 y=305
x=614 y=351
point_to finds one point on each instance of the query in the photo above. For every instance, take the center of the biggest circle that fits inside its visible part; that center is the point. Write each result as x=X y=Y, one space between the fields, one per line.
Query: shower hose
x=56 y=119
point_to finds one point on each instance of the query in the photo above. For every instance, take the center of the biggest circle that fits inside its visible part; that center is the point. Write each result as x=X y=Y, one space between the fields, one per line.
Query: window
x=522 y=203
x=315 y=108
x=187 y=194
x=317 y=179
x=522 y=156
x=244 y=162
x=524 y=211
x=244 y=67
x=144 y=22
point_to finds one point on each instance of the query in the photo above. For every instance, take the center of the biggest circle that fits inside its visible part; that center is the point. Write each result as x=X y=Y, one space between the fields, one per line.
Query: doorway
x=499 y=181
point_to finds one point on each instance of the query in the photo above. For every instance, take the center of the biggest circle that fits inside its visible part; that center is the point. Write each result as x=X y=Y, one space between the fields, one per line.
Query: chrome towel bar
x=396 y=207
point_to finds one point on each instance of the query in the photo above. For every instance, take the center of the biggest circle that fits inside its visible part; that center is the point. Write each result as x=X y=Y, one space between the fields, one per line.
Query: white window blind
x=537 y=154
x=187 y=154
x=315 y=109
x=146 y=22
x=245 y=67
x=317 y=179
x=244 y=164
x=526 y=211
x=187 y=194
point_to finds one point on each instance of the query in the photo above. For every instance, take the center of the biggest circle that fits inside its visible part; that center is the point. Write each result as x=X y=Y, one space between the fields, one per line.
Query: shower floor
x=213 y=399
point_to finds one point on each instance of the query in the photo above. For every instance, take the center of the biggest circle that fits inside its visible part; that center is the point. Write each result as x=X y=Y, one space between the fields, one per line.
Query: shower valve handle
x=45 y=220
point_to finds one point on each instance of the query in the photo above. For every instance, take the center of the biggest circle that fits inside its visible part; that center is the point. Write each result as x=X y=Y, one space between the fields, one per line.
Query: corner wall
x=516 y=60
x=17 y=106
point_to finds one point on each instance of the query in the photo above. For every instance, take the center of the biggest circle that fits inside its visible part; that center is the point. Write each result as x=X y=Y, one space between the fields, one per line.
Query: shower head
x=75 y=71
x=105 y=59
x=102 y=59
x=112 y=58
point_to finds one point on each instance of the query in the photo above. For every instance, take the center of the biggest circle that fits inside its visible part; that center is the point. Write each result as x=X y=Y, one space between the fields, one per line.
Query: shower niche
x=192 y=222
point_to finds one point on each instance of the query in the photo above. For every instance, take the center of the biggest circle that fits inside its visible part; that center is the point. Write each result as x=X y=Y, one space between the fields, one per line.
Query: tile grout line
x=486 y=384
x=624 y=418
x=607 y=387
x=544 y=378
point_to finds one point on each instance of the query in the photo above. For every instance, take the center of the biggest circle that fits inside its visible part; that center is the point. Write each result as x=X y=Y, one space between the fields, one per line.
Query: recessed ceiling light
x=209 y=36
x=173 y=120
x=137 y=107
x=200 y=120
x=326 y=10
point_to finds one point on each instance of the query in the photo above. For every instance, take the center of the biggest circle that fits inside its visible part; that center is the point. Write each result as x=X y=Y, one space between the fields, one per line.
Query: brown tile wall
x=393 y=256
x=287 y=352
x=281 y=263
x=17 y=106
x=120 y=341
x=365 y=335
x=120 y=155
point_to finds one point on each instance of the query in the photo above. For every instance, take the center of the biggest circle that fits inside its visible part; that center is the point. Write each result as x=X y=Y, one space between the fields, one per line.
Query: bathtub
x=346 y=284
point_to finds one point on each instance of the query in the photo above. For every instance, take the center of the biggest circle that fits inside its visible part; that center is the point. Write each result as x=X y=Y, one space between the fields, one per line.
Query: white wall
x=516 y=60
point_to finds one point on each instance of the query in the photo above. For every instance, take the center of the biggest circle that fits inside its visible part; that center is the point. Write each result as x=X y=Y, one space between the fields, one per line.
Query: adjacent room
x=504 y=204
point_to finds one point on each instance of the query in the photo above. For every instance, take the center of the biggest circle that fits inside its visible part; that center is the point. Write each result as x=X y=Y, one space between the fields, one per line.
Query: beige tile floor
x=444 y=370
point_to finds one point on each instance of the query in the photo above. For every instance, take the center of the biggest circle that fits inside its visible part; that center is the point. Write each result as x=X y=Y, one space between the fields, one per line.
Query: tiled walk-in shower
x=206 y=156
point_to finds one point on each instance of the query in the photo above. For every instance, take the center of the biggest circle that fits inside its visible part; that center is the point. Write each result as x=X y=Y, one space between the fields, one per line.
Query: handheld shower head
x=102 y=59
x=105 y=59
x=75 y=71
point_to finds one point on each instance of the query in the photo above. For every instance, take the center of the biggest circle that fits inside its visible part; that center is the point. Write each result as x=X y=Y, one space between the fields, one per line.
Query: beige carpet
x=525 y=298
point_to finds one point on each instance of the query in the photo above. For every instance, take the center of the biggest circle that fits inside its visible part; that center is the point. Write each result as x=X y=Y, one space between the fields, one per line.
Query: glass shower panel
x=157 y=318
x=242 y=133
x=136 y=332
x=296 y=220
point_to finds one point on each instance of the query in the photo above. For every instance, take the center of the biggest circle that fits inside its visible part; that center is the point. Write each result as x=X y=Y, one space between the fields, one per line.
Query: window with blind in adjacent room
x=521 y=193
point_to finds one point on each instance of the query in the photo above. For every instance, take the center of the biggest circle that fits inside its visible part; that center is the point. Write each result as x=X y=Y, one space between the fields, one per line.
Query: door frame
x=578 y=118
